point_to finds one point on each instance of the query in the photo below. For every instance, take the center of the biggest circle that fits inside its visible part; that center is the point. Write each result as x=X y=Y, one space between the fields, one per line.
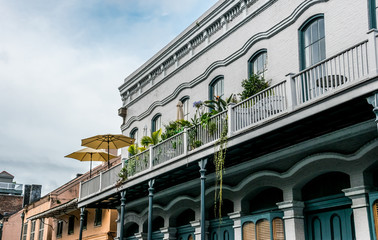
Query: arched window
x=263 y=229
x=216 y=88
x=156 y=123
x=312 y=41
x=257 y=64
x=278 y=229
x=185 y=107
x=134 y=134
x=249 y=231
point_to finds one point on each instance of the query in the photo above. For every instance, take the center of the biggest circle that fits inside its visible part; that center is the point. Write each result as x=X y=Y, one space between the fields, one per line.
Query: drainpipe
x=202 y=165
x=150 y=202
x=22 y=224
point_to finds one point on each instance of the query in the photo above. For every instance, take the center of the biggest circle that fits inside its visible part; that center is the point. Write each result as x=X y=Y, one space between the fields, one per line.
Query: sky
x=61 y=63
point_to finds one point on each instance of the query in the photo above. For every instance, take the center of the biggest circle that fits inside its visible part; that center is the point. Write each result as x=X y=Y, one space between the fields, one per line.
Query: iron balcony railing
x=337 y=72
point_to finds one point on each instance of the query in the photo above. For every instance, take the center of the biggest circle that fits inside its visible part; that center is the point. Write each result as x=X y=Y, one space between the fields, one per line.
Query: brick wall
x=10 y=203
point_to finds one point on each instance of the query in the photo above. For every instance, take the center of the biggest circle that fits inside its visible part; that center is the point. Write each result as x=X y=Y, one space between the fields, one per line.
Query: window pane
x=307 y=57
x=307 y=37
x=315 y=53
x=322 y=49
x=314 y=32
x=321 y=28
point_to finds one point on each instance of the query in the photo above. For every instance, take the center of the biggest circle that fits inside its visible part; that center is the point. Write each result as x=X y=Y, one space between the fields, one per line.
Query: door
x=330 y=225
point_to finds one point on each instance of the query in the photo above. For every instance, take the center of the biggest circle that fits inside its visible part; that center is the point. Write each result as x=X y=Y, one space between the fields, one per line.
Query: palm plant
x=151 y=140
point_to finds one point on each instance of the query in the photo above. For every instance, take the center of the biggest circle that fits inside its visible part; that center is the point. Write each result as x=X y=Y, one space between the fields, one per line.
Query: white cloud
x=61 y=65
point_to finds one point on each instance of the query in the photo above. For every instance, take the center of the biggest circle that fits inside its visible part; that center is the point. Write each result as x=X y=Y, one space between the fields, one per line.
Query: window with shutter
x=249 y=231
x=278 y=229
x=263 y=230
x=375 y=209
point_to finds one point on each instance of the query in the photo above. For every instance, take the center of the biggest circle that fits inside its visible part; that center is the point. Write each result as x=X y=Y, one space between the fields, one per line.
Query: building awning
x=57 y=211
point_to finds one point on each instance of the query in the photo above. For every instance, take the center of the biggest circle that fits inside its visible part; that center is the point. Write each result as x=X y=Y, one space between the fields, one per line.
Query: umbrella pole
x=90 y=169
x=108 y=154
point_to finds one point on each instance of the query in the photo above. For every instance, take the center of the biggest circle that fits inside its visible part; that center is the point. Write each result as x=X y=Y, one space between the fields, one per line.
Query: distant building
x=56 y=215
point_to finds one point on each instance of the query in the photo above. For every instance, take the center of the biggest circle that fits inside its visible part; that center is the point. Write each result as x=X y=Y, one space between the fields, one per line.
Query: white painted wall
x=345 y=24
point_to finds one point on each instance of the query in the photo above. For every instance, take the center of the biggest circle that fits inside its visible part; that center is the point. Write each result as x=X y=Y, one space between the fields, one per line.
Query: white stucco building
x=302 y=156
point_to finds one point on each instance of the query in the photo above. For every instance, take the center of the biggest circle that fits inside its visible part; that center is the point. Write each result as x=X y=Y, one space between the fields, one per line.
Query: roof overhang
x=57 y=211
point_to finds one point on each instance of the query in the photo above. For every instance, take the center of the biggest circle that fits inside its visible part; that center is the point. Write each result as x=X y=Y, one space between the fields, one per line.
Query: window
x=156 y=123
x=59 y=229
x=312 y=41
x=25 y=231
x=263 y=226
x=216 y=88
x=278 y=229
x=32 y=230
x=85 y=222
x=258 y=63
x=134 y=134
x=98 y=217
x=71 y=224
x=185 y=107
x=41 y=228
x=249 y=231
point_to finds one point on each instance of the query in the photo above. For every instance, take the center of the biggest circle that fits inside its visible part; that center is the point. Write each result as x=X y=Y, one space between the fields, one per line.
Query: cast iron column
x=82 y=214
x=150 y=202
x=122 y=218
x=202 y=165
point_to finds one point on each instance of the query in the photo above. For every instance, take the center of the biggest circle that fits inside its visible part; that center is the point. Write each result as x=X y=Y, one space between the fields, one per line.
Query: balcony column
x=231 y=119
x=293 y=219
x=82 y=214
x=202 y=165
x=373 y=100
x=197 y=229
x=360 y=206
x=236 y=217
x=169 y=233
x=122 y=217
x=140 y=236
x=150 y=202
x=372 y=52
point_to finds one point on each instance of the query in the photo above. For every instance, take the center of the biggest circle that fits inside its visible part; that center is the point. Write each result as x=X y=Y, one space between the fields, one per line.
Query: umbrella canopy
x=107 y=141
x=90 y=154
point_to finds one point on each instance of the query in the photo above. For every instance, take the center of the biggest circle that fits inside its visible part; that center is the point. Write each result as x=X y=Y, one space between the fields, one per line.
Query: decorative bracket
x=373 y=100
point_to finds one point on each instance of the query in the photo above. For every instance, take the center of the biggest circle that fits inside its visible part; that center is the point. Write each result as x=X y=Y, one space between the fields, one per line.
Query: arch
x=263 y=198
x=135 y=134
x=156 y=122
x=130 y=229
x=157 y=223
x=257 y=63
x=216 y=87
x=184 y=218
x=320 y=186
x=226 y=208
x=312 y=41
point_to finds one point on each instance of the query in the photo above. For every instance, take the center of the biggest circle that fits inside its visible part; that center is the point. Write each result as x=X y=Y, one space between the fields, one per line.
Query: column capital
x=236 y=215
x=169 y=233
x=358 y=195
x=141 y=236
x=292 y=209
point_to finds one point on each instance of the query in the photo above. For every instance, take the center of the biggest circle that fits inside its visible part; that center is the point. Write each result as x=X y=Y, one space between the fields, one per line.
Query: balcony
x=346 y=75
x=10 y=188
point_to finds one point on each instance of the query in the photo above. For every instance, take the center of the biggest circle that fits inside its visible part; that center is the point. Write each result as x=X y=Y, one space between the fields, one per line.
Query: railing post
x=230 y=121
x=185 y=136
x=80 y=189
x=372 y=52
x=100 y=182
x=291 y=99
x=151 y=156
x=123 y=162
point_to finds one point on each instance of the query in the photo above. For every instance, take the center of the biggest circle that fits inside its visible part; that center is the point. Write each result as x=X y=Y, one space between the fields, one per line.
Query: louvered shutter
x=263 y=230
x=278 y=229
x=249 y=231
x=190 y=237
x=375 y=209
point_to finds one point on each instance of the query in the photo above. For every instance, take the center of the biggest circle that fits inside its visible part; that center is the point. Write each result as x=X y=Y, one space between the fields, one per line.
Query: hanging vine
x=220 y=149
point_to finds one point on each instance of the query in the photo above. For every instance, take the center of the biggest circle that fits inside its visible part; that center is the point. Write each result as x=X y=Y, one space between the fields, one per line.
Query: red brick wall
x=10 y=203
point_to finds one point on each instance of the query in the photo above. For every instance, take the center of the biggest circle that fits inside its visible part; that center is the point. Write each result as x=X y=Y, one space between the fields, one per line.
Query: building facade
x=300 y=157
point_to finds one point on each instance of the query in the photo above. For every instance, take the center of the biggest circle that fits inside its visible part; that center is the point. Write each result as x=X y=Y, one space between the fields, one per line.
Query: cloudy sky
x=61 y=63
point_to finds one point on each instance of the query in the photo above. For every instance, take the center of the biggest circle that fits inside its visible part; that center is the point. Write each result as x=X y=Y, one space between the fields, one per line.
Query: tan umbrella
x=180 y=111
x=90 y=154
x=107 y=141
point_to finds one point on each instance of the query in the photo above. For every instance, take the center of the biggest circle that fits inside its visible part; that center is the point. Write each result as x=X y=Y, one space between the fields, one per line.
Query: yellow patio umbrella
x=90 y=154
x=107 y=141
